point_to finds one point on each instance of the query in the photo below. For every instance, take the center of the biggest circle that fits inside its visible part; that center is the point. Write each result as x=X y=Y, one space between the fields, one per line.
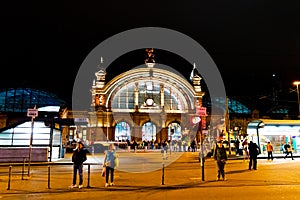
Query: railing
x=11 y=165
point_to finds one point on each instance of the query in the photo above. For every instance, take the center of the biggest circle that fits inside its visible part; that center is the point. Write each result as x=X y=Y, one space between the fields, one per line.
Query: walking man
x=288 y=150
x=270 y=150
x=220 y=156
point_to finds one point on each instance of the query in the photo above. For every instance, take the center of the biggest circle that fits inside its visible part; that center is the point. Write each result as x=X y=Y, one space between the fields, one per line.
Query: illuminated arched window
x=149 y=131
x=122 y=132
x=174 y=131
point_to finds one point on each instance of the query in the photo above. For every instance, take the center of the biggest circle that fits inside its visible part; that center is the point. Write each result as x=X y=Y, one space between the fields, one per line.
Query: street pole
x=51 y=139
x=202 y=148
x=31 y=113
x=107 y=125
x=297 y=86
x=30 y=145
x=298 y=100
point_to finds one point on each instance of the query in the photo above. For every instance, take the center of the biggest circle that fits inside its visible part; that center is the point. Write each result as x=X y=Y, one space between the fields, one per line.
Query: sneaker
x=217 y=179
x=106 y=184
x=73 y=186
x=80 y=186
x=111 y=184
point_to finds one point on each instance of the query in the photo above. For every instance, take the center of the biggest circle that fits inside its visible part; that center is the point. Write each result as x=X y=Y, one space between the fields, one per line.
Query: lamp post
x=107 y=124
x=297 y=84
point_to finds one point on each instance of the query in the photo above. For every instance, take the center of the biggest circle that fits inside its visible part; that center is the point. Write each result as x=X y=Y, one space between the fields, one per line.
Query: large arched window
x=174 y=131
x=149 y=132
x=122 y=132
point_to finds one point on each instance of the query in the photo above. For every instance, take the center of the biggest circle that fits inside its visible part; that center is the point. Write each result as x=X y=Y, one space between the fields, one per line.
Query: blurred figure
x=253 y=152
x=245 y=149
x=270 y=150
x=220 y=156
x=264 y=148
x=237 y=147
x=128 y=145
x=288 y=150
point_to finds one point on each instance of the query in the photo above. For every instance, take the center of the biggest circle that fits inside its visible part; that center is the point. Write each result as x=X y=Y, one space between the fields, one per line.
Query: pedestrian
x=78 y=157
x=237 y=147
x=264 y=148
x=253 y=152
x=220 y=156
x=245 y=149
x=135 y=145
x=288 y=150
x=194 y=145
x=128 y=145
x=109 y=164
x=269 y=148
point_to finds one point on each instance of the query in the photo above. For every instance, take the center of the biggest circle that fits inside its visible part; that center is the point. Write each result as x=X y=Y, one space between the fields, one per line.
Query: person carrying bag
x=110 y=163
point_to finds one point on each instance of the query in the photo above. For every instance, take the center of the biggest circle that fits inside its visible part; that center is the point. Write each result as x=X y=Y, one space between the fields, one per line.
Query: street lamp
x=297 y=84
x=107 y=124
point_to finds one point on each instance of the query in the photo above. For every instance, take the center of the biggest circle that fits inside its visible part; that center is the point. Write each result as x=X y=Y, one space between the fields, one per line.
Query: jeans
x=287 y=153
x=270 y=155
x=221 y=171
x=253 y=161
x=77 y=167
x=111 y=171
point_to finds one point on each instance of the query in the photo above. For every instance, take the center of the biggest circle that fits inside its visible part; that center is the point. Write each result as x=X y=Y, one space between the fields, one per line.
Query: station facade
x=143 y=104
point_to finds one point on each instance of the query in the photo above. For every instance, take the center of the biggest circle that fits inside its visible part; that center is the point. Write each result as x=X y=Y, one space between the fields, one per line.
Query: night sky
x=254 y=43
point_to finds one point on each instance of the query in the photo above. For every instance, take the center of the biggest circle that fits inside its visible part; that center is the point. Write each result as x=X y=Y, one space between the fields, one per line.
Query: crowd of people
x=174 y=145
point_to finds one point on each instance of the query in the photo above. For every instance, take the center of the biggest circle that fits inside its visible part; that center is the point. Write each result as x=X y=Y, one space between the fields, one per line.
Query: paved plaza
x=141 y=176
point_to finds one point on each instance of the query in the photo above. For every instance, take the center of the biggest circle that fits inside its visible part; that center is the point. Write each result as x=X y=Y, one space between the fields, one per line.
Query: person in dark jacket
x=288 y=150
x=78 y=157
x=220 y=156
x=253 y=152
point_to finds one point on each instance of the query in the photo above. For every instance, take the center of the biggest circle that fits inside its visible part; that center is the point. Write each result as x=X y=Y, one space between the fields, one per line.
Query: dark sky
x=43 y=44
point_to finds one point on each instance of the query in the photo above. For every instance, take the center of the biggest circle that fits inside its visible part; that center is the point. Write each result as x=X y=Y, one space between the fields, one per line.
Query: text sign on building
x=32 y=112
x=201 y=111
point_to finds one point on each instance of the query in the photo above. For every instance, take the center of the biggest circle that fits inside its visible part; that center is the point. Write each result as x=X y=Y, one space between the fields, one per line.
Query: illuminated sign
x=32 y=112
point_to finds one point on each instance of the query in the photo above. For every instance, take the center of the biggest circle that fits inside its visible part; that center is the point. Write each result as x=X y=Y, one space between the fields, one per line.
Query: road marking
x=196 y=178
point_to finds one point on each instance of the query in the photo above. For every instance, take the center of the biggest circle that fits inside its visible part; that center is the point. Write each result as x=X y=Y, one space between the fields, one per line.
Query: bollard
x=89 y=175
x=163 y=174
x=9 y=177
x=48 y=176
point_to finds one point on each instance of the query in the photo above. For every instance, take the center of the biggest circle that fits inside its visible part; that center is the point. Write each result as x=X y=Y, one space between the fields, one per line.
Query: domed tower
x=99 y=83
x=195 y=78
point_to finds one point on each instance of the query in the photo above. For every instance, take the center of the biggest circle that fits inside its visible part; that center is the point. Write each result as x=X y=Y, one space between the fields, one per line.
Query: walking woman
x=220 y=156
x=109 y=163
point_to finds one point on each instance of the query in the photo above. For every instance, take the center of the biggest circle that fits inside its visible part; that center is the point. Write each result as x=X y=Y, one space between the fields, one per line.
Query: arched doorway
x=122 y=132
x=149 y=131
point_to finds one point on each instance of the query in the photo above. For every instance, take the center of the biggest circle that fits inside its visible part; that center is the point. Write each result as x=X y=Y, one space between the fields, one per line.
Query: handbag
x=103 y=173
x=117 y=161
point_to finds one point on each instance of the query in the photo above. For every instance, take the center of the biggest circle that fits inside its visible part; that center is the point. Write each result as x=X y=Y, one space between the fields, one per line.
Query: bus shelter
x=278 y=132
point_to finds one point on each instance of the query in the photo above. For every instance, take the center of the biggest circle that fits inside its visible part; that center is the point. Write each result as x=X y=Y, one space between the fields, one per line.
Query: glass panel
x=21 y=142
